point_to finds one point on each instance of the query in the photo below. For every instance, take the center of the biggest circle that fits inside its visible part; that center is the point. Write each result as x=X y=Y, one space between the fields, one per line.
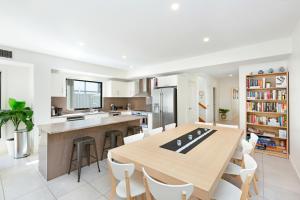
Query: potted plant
x=20 y=116
x=223 y=113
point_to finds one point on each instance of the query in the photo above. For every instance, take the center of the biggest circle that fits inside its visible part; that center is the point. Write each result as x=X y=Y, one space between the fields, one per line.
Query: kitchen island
x=56 y=140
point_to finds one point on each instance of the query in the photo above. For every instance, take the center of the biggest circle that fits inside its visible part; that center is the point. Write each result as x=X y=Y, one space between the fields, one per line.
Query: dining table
x=190 y=153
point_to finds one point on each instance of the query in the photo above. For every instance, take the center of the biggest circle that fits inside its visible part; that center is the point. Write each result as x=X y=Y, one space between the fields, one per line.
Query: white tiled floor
x=20 y=180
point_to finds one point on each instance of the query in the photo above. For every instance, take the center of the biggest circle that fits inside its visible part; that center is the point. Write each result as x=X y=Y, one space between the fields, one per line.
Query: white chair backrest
x=161 y=191
x=247 y=147
x=170 y=126
x=227 y=126
x=250 y=167
x=118 y=170
x=204 y=123
x=155 y=131
x=253 y=139
x=133 y=138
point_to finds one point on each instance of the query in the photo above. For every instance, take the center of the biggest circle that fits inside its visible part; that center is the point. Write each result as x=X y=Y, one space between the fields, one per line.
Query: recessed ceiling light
x=230 y=75
x=131 y=67
x=175 y=6
x=124 y=57
x=206 y=39
x=81 y=44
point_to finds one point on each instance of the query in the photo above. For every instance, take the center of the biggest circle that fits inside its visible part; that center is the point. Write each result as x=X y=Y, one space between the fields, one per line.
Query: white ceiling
x=146 y=31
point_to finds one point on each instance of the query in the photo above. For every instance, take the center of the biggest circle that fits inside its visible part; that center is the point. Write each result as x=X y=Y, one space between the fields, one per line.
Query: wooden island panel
x=55 y=146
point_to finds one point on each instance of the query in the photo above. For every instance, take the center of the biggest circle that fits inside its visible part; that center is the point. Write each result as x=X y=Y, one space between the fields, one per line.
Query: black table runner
x=198 y=136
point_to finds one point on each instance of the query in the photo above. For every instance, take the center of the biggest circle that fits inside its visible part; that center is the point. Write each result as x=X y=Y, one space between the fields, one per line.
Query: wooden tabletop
x=203 y=166
x=83 y=124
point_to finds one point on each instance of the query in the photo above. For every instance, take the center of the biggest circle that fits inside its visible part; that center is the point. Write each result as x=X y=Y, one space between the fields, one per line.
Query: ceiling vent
x=5 y=53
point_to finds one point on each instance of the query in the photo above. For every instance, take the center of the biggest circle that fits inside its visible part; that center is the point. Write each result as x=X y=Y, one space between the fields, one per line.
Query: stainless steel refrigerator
x=164 y=106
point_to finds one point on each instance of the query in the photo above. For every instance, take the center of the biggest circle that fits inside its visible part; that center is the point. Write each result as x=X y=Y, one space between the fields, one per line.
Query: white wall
x=206 y=84
x=16 y=83
x=294 y=68
x=246 y=70
x=226 y=85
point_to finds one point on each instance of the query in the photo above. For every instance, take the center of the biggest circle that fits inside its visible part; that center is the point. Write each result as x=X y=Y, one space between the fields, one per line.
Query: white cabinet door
x=118 y=89
x=58 y=85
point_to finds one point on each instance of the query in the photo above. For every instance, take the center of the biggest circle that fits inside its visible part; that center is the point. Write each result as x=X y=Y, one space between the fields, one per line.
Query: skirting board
x=294 y=166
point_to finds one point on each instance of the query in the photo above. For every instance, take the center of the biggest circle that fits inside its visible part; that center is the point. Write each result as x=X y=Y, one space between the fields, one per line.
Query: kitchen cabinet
x=167 y=81
x=120 y=88
x=58 y=84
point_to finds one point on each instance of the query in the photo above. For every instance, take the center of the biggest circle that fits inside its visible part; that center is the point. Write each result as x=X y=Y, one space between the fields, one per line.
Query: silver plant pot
x=22 y=147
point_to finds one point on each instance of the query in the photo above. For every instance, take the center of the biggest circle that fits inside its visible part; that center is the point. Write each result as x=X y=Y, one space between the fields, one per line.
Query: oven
x=144 y=120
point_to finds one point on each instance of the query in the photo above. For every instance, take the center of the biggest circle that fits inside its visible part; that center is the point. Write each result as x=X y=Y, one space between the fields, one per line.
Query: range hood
x=144 y=88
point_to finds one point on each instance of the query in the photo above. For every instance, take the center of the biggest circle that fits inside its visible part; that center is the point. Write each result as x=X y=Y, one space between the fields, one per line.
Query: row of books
x=254 y=83
x=264 y=143
x=267 y=95
x=280 y=81
x=266 y=107
x=263 y=120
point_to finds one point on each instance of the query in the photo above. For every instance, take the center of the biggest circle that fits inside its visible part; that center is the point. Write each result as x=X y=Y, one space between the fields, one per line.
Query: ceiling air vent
x=5 y=53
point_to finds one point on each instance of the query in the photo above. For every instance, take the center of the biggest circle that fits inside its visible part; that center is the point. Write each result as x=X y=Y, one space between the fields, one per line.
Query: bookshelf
x=267 y=112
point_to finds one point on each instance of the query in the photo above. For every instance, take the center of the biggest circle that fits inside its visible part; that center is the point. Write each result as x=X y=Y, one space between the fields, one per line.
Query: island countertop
x=62 y=127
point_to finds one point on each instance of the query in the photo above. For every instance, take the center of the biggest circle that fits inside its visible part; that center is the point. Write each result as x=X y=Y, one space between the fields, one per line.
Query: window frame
x=101 y=92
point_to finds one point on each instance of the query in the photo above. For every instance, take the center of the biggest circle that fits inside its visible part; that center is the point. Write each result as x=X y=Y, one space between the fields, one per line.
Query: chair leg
x=79 y=161
x=73 y=148
x=255 y=177
x=255 y=186
x=88 y=152
x=103 y=148
x=96 y=154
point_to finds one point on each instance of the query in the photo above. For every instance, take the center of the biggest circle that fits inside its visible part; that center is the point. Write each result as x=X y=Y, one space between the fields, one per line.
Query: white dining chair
x=204 y=123
x=234 y=169
x=227 y=125
x=228 y=191
x=155 y=131
x=253 y=139
x=170 y=126
x=245 y=147
x=127 y=186
x=133 y=138
x=161 y=191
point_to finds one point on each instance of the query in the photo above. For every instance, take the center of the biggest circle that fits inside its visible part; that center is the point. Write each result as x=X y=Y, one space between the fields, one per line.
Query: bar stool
x=134 y=130
x=83 y=150
x=112 y=135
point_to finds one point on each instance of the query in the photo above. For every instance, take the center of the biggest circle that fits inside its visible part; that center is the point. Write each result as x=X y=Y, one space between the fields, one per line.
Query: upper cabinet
x=58 y=84
x=120 y=89
x=167 y=81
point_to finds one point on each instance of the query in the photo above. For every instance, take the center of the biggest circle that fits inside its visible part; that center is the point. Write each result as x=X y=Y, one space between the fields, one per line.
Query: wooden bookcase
x=267 y=112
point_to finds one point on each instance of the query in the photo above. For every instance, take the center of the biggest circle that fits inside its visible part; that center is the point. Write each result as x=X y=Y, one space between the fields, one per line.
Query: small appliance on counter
x=55 y=111
x=113 y=107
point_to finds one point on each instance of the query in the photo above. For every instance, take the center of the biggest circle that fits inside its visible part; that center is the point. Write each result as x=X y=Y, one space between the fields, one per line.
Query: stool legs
x=88 y=154
x=103 y=148
x=79 y=160
x=95 y=149
x=71 y=160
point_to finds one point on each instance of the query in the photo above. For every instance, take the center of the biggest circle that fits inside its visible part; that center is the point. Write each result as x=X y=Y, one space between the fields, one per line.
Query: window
x=83 y=94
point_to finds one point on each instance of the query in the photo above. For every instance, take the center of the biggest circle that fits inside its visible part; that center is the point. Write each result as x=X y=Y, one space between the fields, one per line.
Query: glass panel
x=84 y=94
